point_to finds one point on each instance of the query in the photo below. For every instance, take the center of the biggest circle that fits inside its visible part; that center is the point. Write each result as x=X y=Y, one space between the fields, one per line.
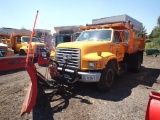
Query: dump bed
x=117 y=19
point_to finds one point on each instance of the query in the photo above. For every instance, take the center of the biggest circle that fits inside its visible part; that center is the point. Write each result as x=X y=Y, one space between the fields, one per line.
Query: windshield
x=27 y=39
x=95 y=35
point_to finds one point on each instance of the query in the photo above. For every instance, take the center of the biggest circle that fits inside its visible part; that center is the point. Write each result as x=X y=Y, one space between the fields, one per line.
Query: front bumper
x=85 y=76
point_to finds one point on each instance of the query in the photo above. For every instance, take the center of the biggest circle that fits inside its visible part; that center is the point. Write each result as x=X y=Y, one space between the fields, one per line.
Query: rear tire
x=134 y=62
x=107 y=78
x=137 y=63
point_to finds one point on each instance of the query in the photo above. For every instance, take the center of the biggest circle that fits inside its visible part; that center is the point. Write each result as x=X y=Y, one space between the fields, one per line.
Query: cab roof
x=118 y=26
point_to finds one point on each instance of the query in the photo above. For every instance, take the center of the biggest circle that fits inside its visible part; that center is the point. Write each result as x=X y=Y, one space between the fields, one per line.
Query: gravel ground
x=127 y=100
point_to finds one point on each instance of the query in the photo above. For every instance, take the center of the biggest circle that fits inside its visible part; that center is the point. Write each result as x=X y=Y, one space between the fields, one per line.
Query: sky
x=53 y=13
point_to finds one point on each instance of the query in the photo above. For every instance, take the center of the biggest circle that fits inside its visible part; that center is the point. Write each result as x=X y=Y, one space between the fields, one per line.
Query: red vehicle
x=153 y=107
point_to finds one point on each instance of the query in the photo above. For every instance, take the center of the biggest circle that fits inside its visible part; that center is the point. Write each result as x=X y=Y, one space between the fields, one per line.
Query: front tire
x=107 y=78
x=22 y=53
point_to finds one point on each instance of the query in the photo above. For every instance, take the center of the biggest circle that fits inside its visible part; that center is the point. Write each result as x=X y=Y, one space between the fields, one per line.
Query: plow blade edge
x=31 y=95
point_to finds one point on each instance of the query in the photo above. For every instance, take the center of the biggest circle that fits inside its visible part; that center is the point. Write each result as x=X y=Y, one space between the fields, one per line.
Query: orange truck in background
x=19 y=40
x=20 y=43
x=105 y=49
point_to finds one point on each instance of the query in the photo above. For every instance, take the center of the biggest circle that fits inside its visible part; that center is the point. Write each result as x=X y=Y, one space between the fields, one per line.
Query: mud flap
x=31 y=95
x=153 y=108
x=42 y=61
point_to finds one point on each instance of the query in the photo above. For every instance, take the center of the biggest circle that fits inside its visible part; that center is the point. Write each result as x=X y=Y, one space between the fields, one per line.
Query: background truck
x=105 y=49
x=19 y=41
x=5 y=50
x=66 y=34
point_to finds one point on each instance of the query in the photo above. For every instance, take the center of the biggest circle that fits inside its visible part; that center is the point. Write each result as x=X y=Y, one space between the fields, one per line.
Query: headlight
x=91 y=65
x=95 y=64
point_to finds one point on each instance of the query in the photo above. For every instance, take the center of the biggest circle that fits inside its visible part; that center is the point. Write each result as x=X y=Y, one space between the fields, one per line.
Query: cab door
x=118 y=47
x=118 y=50
x=18 y=43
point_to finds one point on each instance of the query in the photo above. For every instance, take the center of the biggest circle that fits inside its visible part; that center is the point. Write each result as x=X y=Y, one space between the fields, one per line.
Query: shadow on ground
x=11 y=71
x=123 y=86
x=53 y=102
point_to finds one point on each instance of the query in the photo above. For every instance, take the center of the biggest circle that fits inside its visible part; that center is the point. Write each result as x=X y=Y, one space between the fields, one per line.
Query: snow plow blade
x=12 y=63
x=153 y=108
x=31 y=95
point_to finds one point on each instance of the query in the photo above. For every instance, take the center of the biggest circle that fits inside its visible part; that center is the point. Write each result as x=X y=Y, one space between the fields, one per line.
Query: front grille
x=74 y=62
x=3 y=51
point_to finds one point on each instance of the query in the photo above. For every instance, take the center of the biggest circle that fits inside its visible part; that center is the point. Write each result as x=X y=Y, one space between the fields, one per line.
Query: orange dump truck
x=20 y=43
x=104 y=50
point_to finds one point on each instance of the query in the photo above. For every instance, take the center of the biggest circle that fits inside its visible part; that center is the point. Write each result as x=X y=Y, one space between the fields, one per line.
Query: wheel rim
x=109 y=77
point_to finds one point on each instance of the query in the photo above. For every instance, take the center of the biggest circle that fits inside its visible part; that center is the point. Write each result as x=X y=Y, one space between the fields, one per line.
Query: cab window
x=117 y=37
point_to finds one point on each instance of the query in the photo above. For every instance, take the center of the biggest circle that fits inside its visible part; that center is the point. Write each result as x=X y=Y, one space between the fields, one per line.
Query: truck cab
x=110 y=38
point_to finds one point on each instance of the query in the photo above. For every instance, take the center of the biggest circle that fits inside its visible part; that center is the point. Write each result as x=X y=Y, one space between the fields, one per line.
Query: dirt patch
x=126 y=100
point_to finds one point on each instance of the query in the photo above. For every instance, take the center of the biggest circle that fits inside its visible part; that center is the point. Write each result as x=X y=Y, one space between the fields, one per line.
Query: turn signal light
x=98 y=64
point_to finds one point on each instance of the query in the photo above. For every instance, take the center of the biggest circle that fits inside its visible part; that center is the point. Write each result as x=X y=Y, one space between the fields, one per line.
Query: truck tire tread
x=107 y=78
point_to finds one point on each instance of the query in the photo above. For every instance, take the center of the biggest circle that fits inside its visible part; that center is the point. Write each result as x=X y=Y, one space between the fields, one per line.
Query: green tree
x=142 y=32
x=158 y=22
x=154 y=33
x=155 y=36
x=156 y=30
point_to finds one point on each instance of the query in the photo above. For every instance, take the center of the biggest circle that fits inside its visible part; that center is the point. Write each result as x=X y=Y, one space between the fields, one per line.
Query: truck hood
x=34 y=43
x=37 y=43
x=87 y=46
